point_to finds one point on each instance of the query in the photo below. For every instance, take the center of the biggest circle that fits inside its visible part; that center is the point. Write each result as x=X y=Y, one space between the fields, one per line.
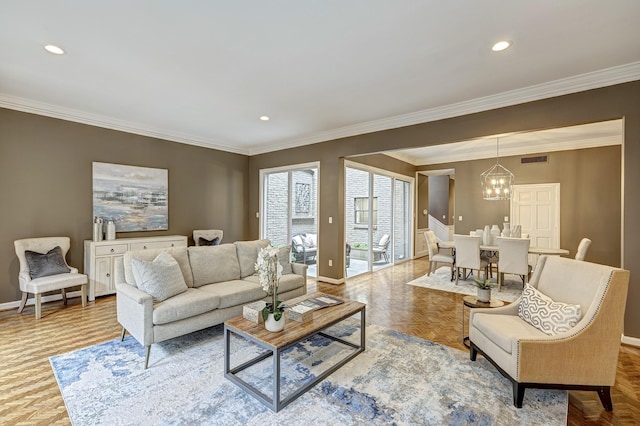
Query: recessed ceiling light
x=264 y=118
x=501 y=45
x=51 y=48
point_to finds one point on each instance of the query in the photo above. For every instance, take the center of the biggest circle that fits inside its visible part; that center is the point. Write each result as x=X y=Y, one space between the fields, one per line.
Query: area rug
x=441 y=280
x=398 y=380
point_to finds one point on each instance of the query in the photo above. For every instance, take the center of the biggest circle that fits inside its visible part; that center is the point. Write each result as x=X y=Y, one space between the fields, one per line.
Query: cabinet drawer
x=156 y=245
x=111 y=249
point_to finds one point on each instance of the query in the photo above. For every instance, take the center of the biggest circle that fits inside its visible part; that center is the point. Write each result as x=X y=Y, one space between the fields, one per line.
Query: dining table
x=495 y=250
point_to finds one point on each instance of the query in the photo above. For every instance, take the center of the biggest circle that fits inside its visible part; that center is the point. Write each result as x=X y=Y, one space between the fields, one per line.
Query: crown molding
x=83 y=117
x=593 y=80
x=582 y=82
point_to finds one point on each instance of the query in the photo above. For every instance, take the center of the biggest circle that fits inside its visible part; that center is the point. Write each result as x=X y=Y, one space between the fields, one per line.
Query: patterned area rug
x=441 y=280
x=398 y=380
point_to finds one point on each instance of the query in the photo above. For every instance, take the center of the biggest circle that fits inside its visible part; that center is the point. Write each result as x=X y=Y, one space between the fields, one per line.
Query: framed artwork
x=135 y=198
x=303 y=197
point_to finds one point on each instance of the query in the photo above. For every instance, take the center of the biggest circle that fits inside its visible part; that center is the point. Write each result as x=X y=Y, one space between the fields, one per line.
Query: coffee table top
x=293 y=330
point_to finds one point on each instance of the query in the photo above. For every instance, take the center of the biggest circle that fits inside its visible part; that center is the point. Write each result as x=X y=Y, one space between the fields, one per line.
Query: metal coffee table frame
x=274 y=402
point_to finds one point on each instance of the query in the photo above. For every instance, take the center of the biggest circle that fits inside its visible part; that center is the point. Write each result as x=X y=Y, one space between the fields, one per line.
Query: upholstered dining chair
x=583 y=247
x=43 y=268
x=436 y=254
x=562 y=333
x=208 y=237
x=513 y=258
x=468 y=255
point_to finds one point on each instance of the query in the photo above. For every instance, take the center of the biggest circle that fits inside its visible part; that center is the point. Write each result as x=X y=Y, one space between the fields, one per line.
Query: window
x=361 y=210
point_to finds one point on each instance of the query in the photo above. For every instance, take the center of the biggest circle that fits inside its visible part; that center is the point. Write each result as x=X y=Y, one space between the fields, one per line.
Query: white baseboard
x=633 y=341
x=330 y=280
x=31 y=301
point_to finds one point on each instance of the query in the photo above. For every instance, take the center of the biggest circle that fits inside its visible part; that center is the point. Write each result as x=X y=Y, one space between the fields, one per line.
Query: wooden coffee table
x=293 y=333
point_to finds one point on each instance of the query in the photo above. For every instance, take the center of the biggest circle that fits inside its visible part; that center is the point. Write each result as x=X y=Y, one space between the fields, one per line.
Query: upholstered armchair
x=537 y=344
x=208 y=236
x=43 y=268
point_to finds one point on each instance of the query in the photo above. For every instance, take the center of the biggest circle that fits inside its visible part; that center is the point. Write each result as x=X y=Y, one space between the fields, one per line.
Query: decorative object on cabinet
x=135 y=198
x=100 y=256
x=43 y=268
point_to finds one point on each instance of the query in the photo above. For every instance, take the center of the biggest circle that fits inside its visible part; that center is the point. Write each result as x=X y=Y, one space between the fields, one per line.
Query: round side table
x=473 y=302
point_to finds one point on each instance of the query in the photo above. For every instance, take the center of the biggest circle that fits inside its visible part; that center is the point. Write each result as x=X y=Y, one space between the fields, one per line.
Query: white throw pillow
x=161 y=278
x=546 y=315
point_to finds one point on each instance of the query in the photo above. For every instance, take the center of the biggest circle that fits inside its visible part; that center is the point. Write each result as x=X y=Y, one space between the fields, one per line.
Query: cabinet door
x=104 y=276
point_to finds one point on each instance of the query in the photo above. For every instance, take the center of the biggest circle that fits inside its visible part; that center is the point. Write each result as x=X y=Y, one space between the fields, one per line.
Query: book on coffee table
x=303 y=310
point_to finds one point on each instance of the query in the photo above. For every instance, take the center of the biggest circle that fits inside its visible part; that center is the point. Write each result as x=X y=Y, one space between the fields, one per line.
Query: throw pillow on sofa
x=205 y=242
x=546 y=315
x=161 y=278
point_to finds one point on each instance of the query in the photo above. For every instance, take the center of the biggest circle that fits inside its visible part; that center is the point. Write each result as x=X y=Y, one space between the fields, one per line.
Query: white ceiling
x=203 y=72
x=561 y=139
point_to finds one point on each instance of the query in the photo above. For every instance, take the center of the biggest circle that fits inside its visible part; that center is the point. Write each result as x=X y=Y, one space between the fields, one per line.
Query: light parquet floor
x=29 y=393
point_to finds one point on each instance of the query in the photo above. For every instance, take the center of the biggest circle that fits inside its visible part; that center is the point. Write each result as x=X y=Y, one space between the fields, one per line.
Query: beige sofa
x=219 y=280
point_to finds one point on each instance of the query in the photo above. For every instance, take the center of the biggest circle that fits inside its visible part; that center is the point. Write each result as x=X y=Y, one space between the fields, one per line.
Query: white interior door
x=537 y=209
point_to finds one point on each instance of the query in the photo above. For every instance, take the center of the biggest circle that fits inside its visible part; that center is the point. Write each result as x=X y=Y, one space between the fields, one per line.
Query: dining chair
x=43 y=268
x=468 y=255
x=435 y=254
x=513 y=258
x=583 y=247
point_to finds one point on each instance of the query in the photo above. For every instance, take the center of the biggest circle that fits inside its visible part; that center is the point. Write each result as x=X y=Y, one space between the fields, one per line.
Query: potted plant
x=269 y=272
x=484 y=289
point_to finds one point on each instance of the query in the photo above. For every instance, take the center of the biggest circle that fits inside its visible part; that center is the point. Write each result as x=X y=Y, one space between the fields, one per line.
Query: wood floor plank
x=29 y=394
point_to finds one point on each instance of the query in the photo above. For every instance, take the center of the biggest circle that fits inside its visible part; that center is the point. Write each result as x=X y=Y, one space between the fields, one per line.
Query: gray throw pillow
x=545 y=314
x=205 y=242
x=45 y=264
x=161 y=278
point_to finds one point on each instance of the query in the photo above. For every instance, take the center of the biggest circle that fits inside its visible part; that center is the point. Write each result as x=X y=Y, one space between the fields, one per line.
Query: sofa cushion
x=213 y=264
x=311 y=240
x=46 y=264
x=287 y=282
x=161 y=278
x=185 y=305
x=236 y=292
x=178 y=253
x=248 y=254
x=546 y=315
x=284 y=259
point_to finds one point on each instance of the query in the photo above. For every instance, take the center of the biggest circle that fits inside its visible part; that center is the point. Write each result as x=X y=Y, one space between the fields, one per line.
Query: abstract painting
x=135 y=198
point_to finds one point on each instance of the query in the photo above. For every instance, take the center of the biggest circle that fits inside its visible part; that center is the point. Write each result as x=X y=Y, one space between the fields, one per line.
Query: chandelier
x=496 y=182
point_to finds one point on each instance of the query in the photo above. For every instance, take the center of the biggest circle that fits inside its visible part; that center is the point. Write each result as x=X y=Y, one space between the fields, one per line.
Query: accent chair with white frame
x=47 y=280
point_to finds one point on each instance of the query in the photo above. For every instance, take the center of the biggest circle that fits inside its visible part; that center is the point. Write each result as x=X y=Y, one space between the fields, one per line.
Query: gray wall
x=618 y=101
x=46 y=185
x=439 y=198
x=590 y=194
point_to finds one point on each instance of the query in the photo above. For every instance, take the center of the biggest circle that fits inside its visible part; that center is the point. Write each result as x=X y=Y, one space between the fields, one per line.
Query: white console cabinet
x=100 y=256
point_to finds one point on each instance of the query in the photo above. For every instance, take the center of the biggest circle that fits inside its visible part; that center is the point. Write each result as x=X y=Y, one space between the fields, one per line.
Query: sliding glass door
x=289 y=211
x=378 y=208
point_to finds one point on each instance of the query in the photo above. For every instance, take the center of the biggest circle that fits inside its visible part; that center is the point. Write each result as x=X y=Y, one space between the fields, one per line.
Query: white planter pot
x=484 y=295
x=273 y=325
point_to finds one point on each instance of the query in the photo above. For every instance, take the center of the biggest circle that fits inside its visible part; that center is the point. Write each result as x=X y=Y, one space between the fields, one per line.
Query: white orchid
x=269 y=272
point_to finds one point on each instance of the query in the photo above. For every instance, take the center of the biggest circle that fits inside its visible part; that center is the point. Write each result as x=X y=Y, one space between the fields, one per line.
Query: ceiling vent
x=538 y=159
